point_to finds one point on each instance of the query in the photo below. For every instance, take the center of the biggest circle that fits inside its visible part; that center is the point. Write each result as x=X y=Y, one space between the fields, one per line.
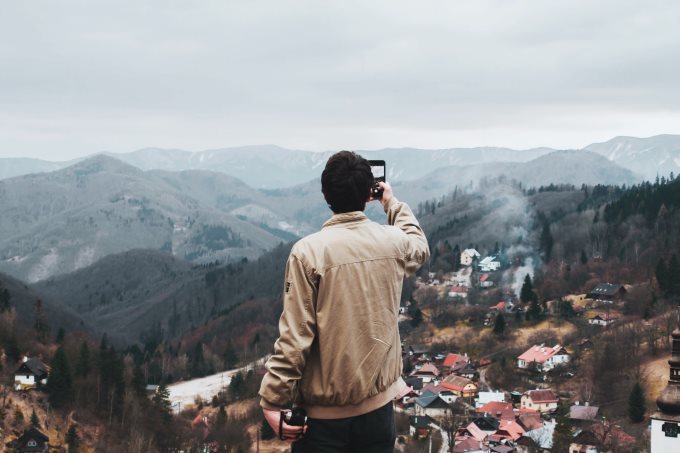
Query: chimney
x=25 y=359
x=576 y=403
x=587 y=403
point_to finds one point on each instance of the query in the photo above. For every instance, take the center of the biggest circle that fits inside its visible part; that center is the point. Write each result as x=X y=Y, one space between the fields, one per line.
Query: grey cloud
x=304 y=72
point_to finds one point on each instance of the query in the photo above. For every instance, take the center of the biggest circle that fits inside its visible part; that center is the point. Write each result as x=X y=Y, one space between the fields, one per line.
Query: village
x=449 y=391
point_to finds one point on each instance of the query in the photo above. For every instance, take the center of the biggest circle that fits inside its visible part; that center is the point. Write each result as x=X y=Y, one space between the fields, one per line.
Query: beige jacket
x=339 y=352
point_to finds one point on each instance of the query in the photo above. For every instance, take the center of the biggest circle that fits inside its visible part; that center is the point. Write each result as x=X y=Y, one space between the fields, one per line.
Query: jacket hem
x=353 y=410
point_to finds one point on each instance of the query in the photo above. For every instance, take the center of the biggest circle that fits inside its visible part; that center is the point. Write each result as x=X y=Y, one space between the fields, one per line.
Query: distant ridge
x=273 y=167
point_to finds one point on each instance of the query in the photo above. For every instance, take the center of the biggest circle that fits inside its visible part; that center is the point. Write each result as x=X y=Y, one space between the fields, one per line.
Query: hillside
x=143 y=295
x=23 y=298
x=58 y=222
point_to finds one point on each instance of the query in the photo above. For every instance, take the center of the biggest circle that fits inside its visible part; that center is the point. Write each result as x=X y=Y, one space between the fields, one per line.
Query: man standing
x=339 y=353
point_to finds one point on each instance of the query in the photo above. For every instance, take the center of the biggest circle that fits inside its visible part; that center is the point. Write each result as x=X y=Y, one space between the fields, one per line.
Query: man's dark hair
x=346 y=182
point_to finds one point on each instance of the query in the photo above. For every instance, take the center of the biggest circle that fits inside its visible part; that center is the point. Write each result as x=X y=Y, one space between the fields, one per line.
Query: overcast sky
x=78 y=77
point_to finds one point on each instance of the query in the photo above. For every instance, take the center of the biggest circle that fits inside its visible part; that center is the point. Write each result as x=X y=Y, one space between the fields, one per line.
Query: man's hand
x=290 y=433
x=386 y=196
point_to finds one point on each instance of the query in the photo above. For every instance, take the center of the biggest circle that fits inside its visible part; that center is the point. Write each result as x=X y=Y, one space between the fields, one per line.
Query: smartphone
x=379 y=172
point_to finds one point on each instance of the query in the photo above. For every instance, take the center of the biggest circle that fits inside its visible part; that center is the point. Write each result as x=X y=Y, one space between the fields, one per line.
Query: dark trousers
x=368 y=433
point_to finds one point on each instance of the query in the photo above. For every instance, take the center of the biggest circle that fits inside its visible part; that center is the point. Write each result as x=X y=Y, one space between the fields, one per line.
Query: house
x=607 y=292
x=444 y=393
x=431 y=404
x=469 y=445
x=489 y=264
x=418 y=351
x=583 y=413
x=508 y=429
x=543 y=436
x=484 y=281
x=460 y=386
x=488 y=397
x=482 y=427
x=543 y=358
x=467 y=256
x=31 y=373
x=469 y=371
x=407 y=397
x=455 y=362
x=497 y=409
x=428 y=372
x=542 y=401
x=31 y=441
x=602 y=319
x=415 y=383
x=419 y=426
x=459 y=292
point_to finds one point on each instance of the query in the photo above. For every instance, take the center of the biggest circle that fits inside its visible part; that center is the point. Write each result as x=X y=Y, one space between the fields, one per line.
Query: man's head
x=346 y=182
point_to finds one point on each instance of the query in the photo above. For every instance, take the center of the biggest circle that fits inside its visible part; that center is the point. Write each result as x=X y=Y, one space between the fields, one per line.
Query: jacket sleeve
x=297 y=330
x=417 y=251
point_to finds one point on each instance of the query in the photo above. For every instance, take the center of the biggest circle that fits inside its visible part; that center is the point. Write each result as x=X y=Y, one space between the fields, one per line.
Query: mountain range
x=270 y=166
x=54 y=223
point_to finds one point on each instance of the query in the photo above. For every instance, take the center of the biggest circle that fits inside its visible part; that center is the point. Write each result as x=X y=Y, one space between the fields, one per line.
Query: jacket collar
x=345 y=217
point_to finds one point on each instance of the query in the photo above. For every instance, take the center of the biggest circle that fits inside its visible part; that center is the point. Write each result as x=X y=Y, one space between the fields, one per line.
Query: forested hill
x=144 y=295
x=35 y=313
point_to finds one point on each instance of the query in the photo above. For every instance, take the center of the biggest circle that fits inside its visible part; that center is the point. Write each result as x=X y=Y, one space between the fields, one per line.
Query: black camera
x=293 y=417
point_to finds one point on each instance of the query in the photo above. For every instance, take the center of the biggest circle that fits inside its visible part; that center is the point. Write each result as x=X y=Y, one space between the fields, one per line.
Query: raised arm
x=400 y=215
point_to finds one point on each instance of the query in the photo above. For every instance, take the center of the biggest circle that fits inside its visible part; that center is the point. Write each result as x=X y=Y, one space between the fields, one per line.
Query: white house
x=543 y=358
x=31 y=373
x=489 y=264
x=467 y=256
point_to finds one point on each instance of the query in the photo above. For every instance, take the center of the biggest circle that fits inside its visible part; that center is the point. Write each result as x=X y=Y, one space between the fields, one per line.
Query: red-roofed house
x=427 y=372
x=460 y=386
x=469 y=445
x=541 y=400
x=543 y=358
x=497 y=409
x=510 y=429
x=455 y=362
x=457 y=292
x=500 y=306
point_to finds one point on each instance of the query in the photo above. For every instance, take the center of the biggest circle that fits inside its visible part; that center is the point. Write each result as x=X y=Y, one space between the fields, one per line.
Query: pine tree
x=83 y=366
x=636 y=404
x=562 y=437
x=499 y=325
x=35 y=422
x=221 y=418
x=60 y=336
x=59 y=381
x=18 y=416
x=72 y=439
x=4 y=299
x=584 y=257
x=230 y=358
x=663 y=277
x=40 y=325
x=161 y=400
x=527 y=294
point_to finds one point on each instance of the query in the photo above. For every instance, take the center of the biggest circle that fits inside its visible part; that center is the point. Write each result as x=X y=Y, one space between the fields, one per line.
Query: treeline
x=90 y=385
